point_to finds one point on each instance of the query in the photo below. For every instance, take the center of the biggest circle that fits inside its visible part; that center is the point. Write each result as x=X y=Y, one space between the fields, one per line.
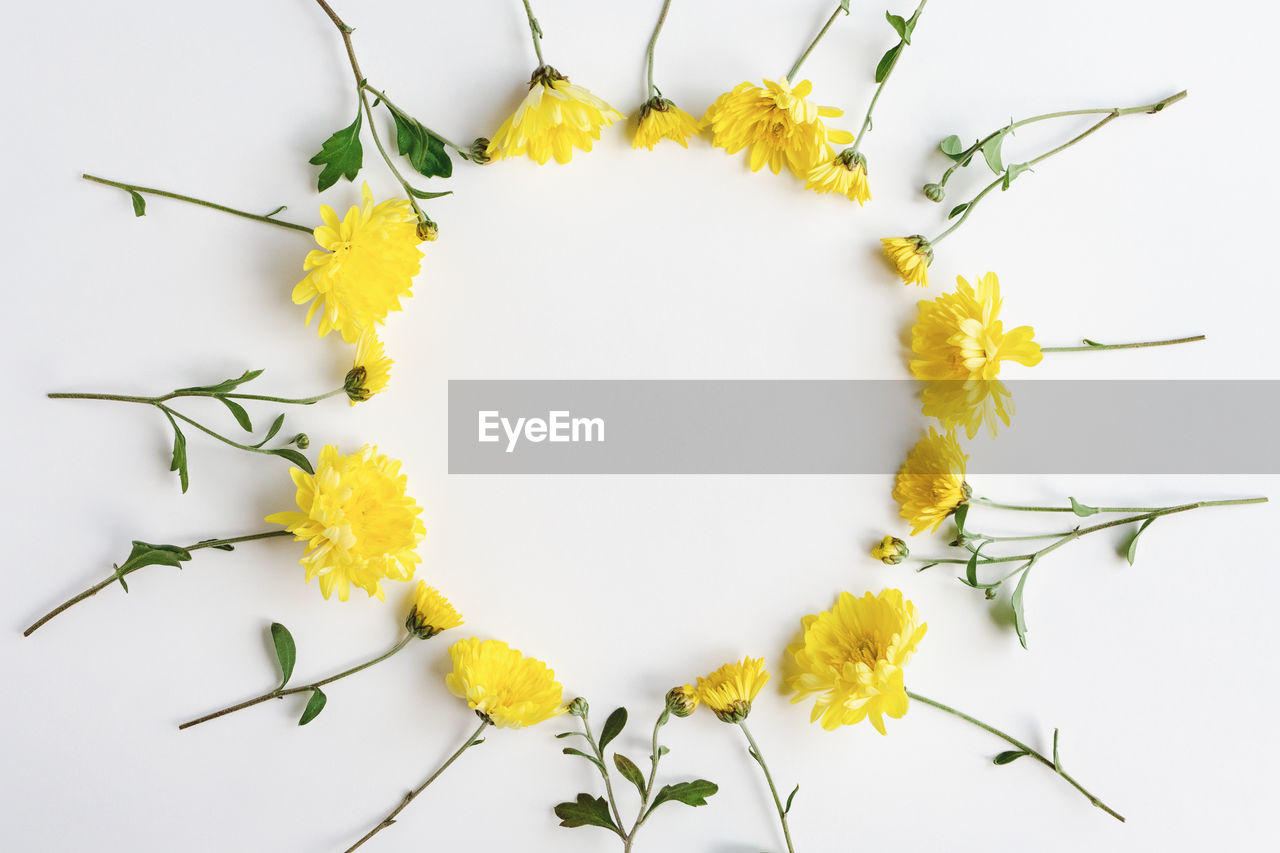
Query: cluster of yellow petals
x=910 y=256
x=359 y=524
x=497 y=681
x=845 y=174
x=364 y=266
x=371 y=372
x=661 y=119
x=851 y=658
x=553 y=119
x=930 y=484
x=958 y=343
x=730 y=690
x=431 y=613
x=776 y=123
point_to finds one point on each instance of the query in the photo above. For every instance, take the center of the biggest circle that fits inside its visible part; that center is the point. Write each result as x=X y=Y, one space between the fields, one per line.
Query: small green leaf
x=991 y=152
x=425 y=152
x=120 y=577
x=222 y=547
x=629 y=771
x=1009 y=756
x=844 y=7
x=271 y=431
x=693 y=793
x=1019 y=615
x=341 y=155
x=587 y=811
x=423 y=194
x=314 y=706
x=1012 y=173
x=662 y=750
x=1090 y=343
x=281 y=209
x=179 y=461
x=286 y=651
x=899 y=25
x=568 y=750
x=971 y=569
x=293 y=456
x=792 y=796
x=886 y=62
x=139 y=204
x=1057 y=762
x=146 y=554
x=951 y=146
x=612 y=727
x=223 y=387
x=238 y=412
x=1131 y=550
x=570 y=734
x=957 y=210
x=959 y=516
x=1083 y=510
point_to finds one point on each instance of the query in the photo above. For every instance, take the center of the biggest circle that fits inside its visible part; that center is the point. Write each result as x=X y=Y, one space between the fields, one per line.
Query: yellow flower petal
x=499 y=682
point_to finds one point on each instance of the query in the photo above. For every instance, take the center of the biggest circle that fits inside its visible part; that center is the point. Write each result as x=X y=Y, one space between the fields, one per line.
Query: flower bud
x=354 y=385
x=428 y=231
x=579 y=707
x=891 y=551
x=736 y=712
x=480 y=151
x=301 y=441
x=935 y=192
x=682 y=701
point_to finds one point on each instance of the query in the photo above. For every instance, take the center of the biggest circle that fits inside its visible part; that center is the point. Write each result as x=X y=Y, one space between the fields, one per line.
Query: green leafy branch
x=226 y=393
x=588 y=810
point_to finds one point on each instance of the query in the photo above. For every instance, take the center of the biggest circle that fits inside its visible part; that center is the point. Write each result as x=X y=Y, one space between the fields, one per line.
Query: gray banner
x=709 y=427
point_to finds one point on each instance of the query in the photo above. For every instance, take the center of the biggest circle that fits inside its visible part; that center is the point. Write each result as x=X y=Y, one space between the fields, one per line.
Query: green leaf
x=1019 y=615
x=179 y=462
x=425 y=152
x=1012 y=173
x=886 y=62
x=612 y=727
x=272 y=430
x=286 y=651
x=991 y=152
x=791 y=797
x=423 y=194
x=844 y=6
x=957 y=210
x=341 y=155
x=959 y=516
x=662 y=750
x=587 y=811
x=146 y=554
x=1131 y=550
x=225 y=386
x=1083 y=510
x=1009 y=756
x=951 y=146
x=570 y=734
x=223 y=547
x=629 y=771
x=693 y=793
x=568 y=750
x=293 y=456
x=139 y=204
x=971 y=569
x=899 y=25
x=238 y=412
x=1057 y=762
x=314 y=706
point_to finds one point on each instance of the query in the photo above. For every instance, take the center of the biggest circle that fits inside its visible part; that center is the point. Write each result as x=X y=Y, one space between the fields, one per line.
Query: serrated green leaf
x=139 y=204
x=957 y=210
x=1131 y=550
x=426 y=152
x=238 y=412
x=693 y=793
x=568 y=750
x=1009 y=756
x=1019 y=614
x=612 y=727
x=629 y=771
x=586 y=811
x=1011 y=174
x=991 y=152
x=341 y=155
x=791 y=797
x=286 y=651
x=951 y=146
x=293 y=456
x=899 y=25
x=314 y=706
x=886 y=62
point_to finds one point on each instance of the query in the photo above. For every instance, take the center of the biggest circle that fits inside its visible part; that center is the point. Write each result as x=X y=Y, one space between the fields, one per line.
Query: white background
x=623 y=264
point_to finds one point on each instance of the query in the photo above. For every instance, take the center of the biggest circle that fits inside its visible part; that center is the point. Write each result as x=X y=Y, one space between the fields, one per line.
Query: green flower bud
x=682 y=701
x=935 y=192
x=480 y=151
x=579 y=707
x=428 y=231
x=891 y=551
x=301 y=441
x=735 y=713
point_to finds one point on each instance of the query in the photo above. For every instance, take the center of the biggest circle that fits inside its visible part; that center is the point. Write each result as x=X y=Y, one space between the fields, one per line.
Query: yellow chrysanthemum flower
x=372 y=370
x=851 y=659
x=730 y=690
x=845 y=174
x=911 y=257
x=930 y=483
x=959 y=341
x=776 y=123
x=503 y=685
x=357 y=521
x=364 y=266
x=661 y=119
x=553 y=119
x=430 y=613
x=890 y=550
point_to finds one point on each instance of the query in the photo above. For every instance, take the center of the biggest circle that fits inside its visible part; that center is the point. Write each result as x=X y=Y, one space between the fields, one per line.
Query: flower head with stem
x=910 y=257
x=777 y=123
x=930 y=485
x=660 y=118
x=371 y=372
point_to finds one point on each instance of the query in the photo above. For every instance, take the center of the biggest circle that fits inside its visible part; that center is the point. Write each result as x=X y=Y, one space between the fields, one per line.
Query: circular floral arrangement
x=359 y=524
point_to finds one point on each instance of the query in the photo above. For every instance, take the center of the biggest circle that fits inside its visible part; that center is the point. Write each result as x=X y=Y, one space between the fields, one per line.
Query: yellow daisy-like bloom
x=661 y=119
x=959 y=341
x=431 y=613
x=911 y=257
x=729 y=691
x=357 y=521
x=846 y=174
x=777 y=123
x=851 y=659
x=502 y=685
x=364 y=265
x=553 y=119
x=372 y=370
x=930 y=483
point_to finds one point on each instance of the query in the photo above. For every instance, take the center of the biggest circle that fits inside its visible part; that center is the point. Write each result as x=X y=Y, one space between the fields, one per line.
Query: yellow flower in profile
x=359 y=525
x=372 y=370
x=930 y=483
x=553 y=119
x=890 y=550
x=845 y=174
x=777 y=123
x=502 y=685
x=851 y=659
x=364 y=266
x=430 y=613
x=682 y=701
x=911 y=257
x=729 y=691
x=661 y=119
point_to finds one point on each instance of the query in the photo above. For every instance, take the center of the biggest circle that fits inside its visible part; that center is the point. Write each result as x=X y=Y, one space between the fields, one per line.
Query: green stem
x=795 y=69
x=465 y=153
x=654 y=757
x=173 y=413
x=1139 y=345
x=777 y=801
x=103 y=584
x=866 y=122
x=281 y=692
x=651 y=91
x=173 y=395
x=134 y=188
x=1053 y=764
x=536 y=32
x=408 y=798
x=604 y=773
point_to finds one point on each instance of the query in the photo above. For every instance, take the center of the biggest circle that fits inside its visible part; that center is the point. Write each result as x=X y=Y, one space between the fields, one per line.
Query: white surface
x=630 y=265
